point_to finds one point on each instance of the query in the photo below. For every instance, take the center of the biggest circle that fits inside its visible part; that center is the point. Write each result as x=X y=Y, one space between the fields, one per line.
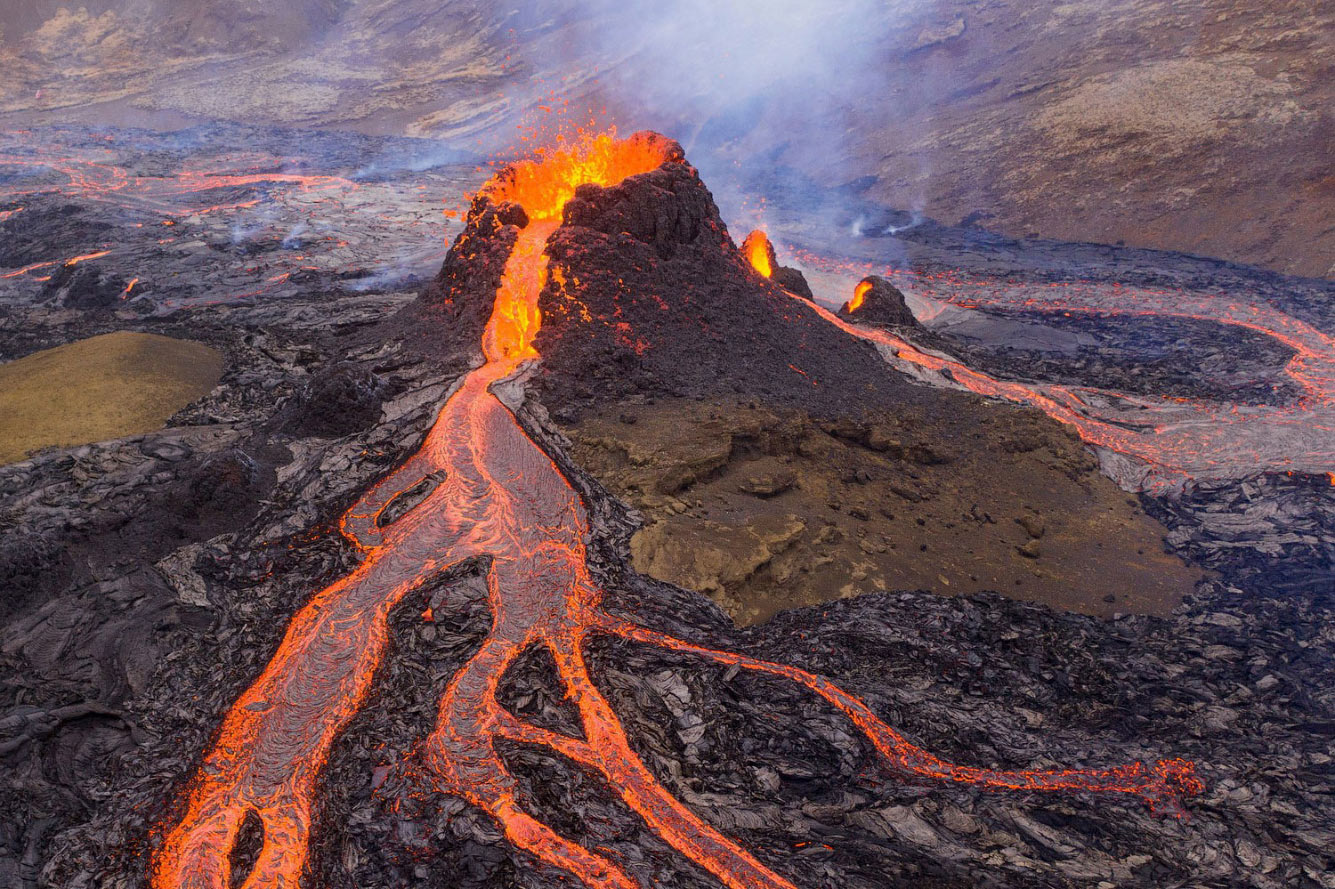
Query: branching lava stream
x=501 y=497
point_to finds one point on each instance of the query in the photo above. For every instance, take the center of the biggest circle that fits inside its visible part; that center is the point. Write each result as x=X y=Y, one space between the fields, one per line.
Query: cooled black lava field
x=355 y=614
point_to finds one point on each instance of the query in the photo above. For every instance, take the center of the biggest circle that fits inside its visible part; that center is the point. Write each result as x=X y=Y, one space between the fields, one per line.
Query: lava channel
x=1173 y=440
x=501 y=497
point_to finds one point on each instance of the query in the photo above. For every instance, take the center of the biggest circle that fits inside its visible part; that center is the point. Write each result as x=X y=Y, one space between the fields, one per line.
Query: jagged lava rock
x=448 y=317
x=877 y=301
x=82 y=286
x=647 y=294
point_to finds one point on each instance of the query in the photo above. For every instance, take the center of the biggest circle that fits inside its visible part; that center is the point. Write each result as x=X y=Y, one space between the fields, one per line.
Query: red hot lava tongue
x=503 y=497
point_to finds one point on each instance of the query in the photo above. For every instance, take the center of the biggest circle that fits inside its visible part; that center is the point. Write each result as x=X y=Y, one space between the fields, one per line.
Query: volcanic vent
x=646 y=294
x=607 y=261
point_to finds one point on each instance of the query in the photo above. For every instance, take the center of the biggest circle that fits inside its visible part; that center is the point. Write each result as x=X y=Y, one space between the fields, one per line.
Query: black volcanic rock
x=882 y=303
x=223 y=482
x=336 y=401
x=649 y=294
x=793 y=281
x=85 y=286
x=448 y=317
x=43 y=230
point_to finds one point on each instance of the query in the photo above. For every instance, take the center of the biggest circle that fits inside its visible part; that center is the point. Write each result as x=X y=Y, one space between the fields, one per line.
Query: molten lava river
x=1148 y=443
x=501 y=497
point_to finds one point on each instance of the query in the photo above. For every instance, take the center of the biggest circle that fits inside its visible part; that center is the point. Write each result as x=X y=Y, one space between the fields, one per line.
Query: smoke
x=292 y=241
x=412 y=156
x=703 y=55
x=253 y=223
x=768 y=97
x=411 y=267
x=725 y=74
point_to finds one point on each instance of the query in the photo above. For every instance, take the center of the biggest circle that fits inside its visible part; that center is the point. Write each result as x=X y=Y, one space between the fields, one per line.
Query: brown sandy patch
x=766 y=510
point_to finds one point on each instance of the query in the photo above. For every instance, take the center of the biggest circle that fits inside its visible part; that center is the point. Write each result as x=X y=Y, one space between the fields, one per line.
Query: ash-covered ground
x=145 y=581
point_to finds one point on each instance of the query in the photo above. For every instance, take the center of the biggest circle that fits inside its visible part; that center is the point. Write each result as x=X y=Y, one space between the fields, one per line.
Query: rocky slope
x=766 y=511
x=1140 y=121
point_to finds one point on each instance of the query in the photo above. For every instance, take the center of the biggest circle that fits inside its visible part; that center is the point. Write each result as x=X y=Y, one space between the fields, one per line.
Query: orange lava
x=1172 y=441
x=859 y=296
x=104 y=180
x=498 y=495
x=543 y=186
x=1175 y=439
x=28 y=268
x=85 y=257
x=759 y=252
x=94 y=175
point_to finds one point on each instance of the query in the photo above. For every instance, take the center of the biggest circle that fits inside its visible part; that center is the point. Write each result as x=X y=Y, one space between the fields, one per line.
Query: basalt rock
x=448 y=316
x=224 y=482
x=341 y=399
x=793 y=281
x=84 y=286
x=1150 y=356
x=65 y=230
x=648 y=295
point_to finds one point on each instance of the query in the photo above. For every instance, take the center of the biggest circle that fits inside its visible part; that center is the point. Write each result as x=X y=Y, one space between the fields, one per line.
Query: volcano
x=646 y=294
x=602 y=554
x=590 y=242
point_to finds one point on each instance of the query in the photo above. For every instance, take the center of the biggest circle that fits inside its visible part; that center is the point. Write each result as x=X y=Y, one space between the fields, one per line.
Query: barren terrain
x=146 y=580
x=767 y=511
x=1204 y=129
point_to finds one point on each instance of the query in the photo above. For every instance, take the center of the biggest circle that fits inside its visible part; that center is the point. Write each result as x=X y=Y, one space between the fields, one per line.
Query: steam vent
x=432 y=484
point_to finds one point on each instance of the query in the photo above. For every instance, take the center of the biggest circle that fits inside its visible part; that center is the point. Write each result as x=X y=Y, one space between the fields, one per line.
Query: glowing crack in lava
x=501 y=497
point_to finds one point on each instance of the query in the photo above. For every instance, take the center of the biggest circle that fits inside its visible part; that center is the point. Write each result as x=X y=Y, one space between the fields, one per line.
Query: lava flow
x=1171 y=440
x=859 y=295
x=499 y=496
x=205 y=211
x=99 y=178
